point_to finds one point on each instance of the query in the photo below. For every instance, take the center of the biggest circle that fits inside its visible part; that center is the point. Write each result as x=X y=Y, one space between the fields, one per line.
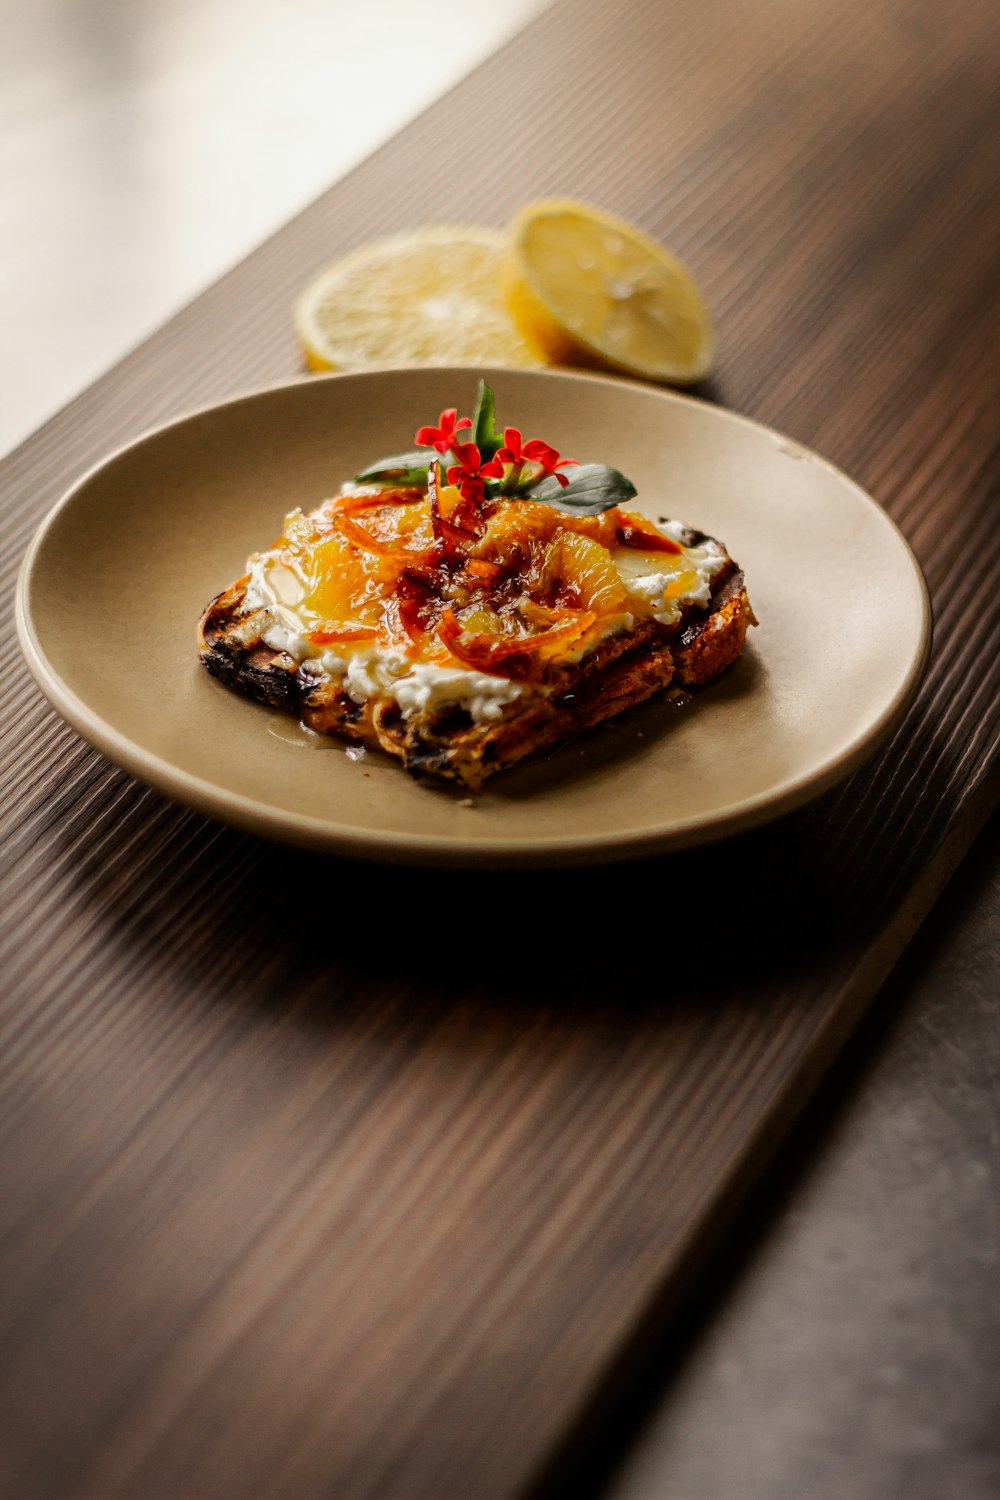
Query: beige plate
x=113 y=585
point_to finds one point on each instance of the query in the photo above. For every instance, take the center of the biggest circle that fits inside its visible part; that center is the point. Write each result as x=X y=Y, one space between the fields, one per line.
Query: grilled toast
x=537 y=704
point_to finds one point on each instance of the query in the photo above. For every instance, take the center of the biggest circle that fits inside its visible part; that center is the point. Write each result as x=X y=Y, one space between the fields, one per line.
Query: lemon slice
x=432 y=296
x=587 y=288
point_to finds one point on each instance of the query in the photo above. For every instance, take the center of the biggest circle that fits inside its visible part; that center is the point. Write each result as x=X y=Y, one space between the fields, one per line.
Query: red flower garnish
x=551 y=463
x=469 y=460
x=517 y=452
x=442 y=437
x=467 y=473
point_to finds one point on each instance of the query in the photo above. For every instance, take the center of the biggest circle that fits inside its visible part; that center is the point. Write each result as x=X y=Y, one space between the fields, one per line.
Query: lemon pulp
x=585 y=287
x=431 y=296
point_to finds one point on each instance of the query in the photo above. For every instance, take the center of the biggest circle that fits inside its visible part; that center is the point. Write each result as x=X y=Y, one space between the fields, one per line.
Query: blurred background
x=147 y=145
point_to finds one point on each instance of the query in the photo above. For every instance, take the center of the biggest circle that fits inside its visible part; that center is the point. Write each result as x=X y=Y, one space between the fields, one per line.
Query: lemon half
x=431 y=296
x=585 y=287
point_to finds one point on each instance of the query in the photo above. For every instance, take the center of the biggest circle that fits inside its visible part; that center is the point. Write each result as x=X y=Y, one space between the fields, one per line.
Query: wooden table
x=281 y=1218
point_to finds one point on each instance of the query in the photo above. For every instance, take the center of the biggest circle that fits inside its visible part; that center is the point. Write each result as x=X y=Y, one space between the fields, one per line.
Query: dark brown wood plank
x=363 y=1215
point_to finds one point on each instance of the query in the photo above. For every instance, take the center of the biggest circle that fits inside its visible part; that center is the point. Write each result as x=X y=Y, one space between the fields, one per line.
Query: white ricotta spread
x=417 y=685
x=645 y=576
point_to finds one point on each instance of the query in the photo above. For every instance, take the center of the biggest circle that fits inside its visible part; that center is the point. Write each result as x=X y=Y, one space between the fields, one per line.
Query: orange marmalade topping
x=479 y=550
x=507 y=587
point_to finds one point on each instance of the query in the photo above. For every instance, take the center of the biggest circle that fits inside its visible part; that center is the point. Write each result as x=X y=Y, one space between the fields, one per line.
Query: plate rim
x=320 y=834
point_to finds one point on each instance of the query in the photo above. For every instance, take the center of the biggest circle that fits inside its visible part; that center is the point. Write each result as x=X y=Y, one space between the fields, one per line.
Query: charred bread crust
x=619 y=673
x=230 y=646
x=438 y=745
x=705 y=647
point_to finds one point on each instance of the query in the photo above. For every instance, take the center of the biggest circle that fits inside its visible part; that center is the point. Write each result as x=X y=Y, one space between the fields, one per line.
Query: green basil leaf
x=591 y=489
x=401 y=468
x=484 y=423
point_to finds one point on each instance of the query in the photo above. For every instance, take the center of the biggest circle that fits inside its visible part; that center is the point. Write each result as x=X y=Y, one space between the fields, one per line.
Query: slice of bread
x=621 y=670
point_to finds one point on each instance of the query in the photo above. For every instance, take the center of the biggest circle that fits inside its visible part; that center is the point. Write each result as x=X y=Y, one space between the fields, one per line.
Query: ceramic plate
x=114 y=583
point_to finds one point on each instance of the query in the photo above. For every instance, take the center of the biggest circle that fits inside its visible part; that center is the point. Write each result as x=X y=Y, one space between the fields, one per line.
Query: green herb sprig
x=492 y=464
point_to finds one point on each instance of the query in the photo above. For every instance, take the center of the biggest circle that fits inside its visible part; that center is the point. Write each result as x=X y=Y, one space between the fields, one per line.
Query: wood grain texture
x=298 y=1202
